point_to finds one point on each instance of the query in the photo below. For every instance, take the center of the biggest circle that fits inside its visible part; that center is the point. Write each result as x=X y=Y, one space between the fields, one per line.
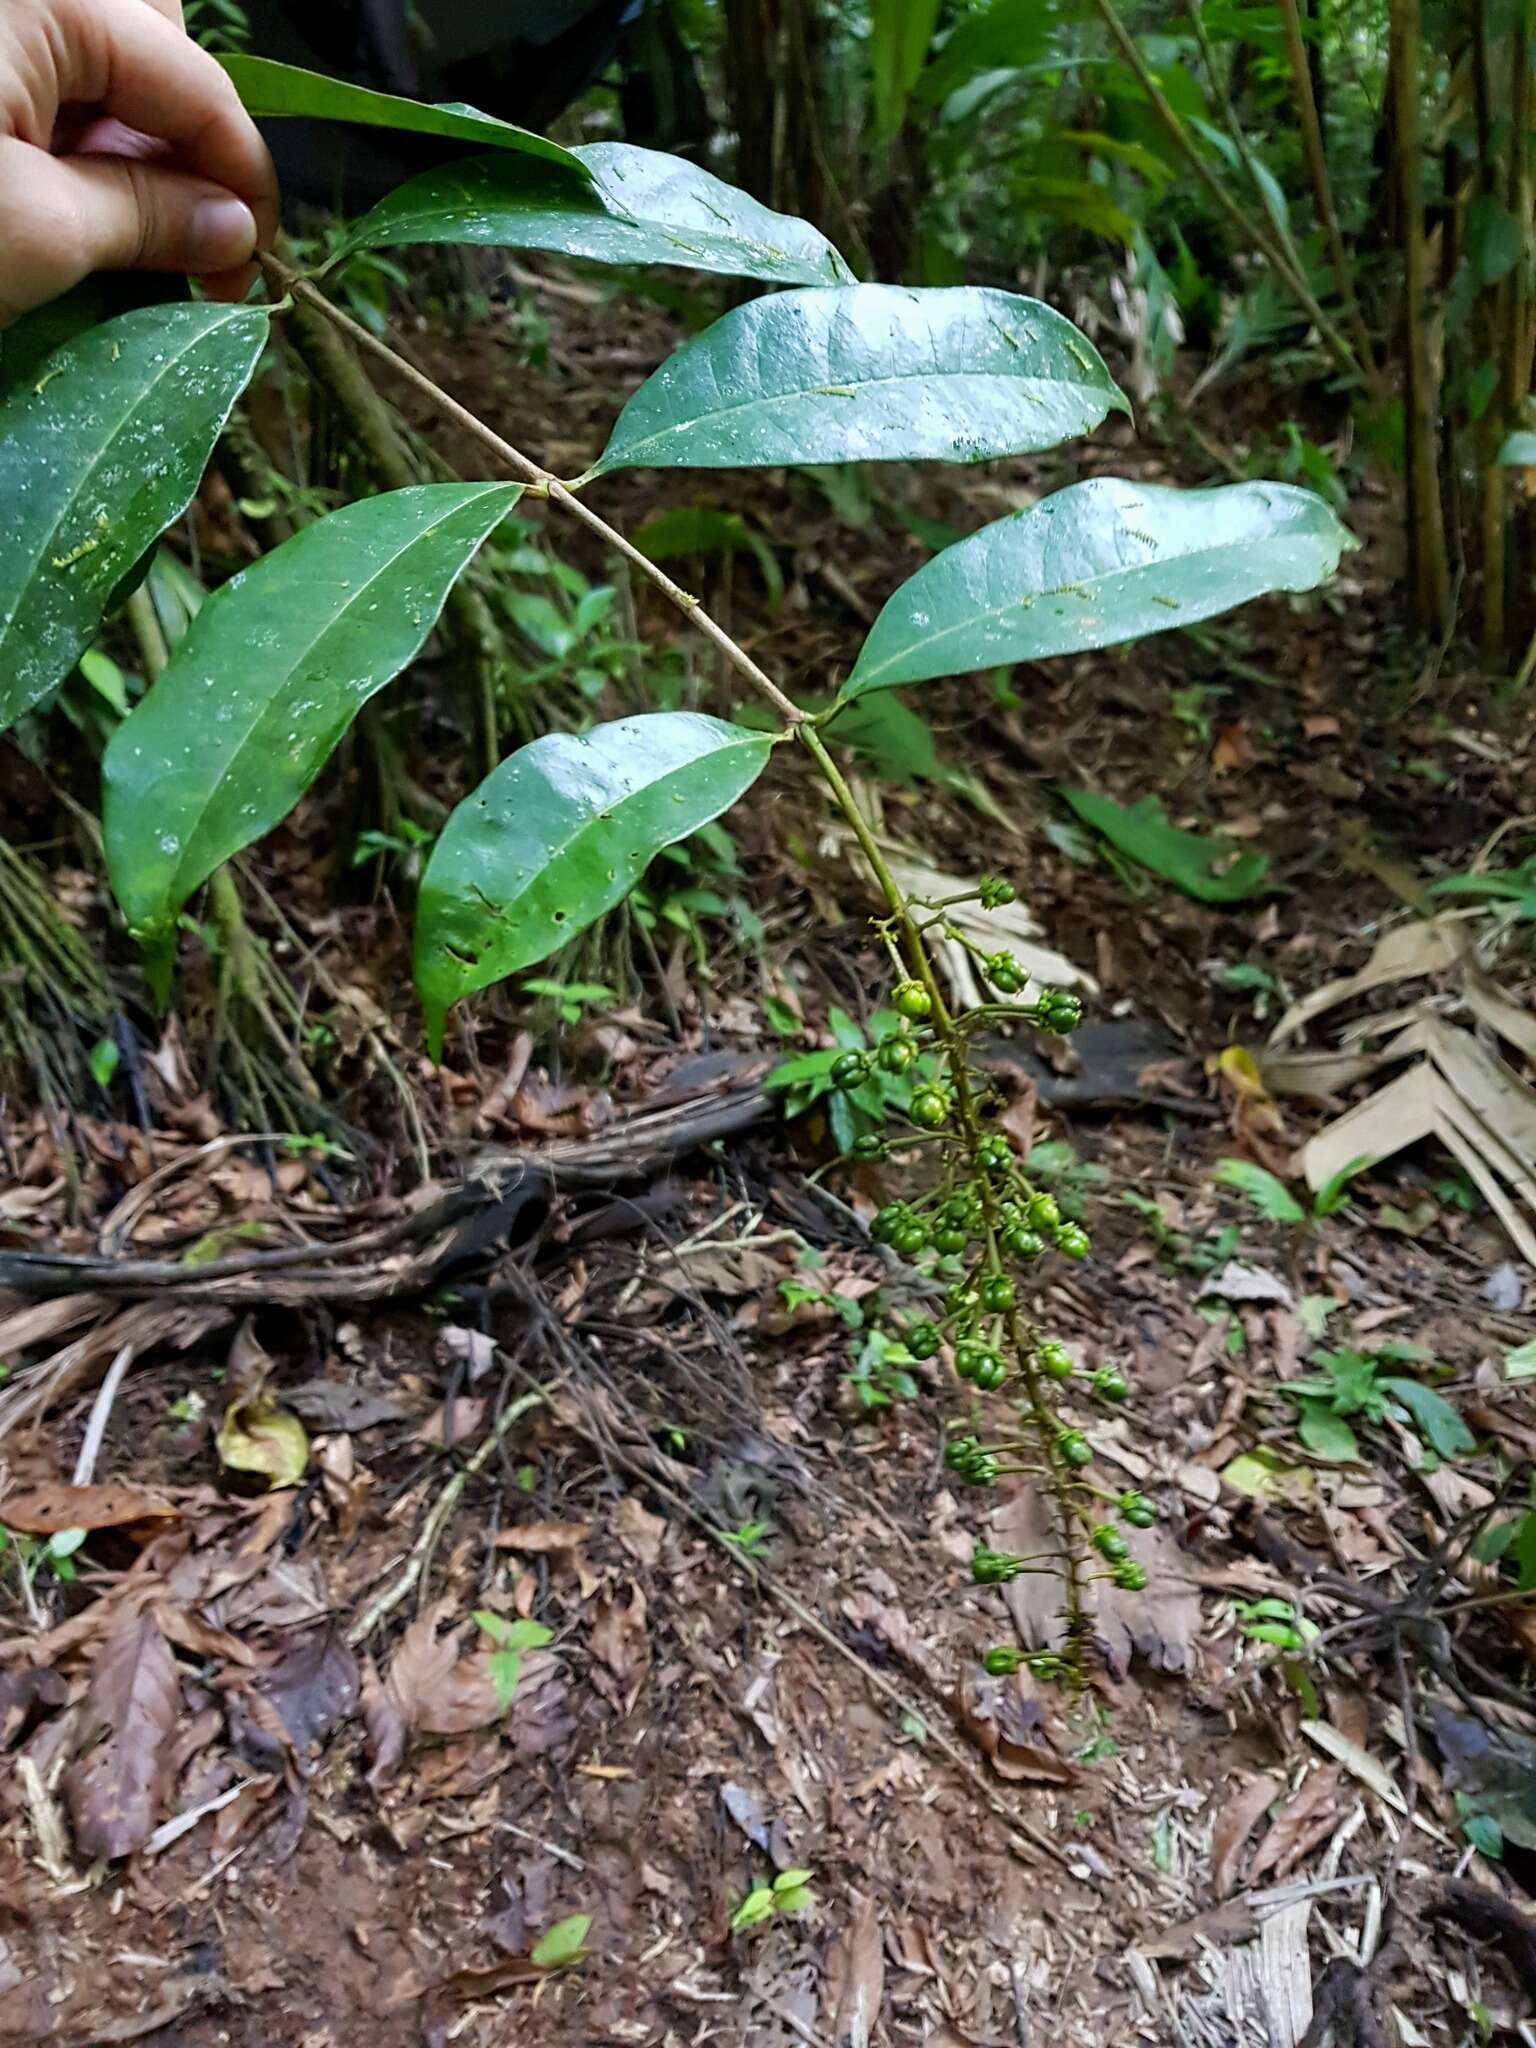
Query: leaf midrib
x=263 y=710
x=564 y=850
x=976 y=619
x=143 y=394
x=862 y=385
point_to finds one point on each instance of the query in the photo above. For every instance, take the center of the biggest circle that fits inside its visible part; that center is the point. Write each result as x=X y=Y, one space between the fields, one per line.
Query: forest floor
x=641 y=1427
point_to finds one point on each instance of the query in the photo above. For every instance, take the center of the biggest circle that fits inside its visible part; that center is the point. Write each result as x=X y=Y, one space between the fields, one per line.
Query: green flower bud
x=994 y=892
x=994 y=1567
x=870 y=1146
x=913 y=1000
x=1054 y=1359
x=895 y=1054
x=997 y=1293
x=1072 y=1240
x=1072 y=1448
x=849 y=1070
x=1136 y=1509
x=1004 y=973
x=1000 y=1662
x=1109 y=1543
x=1130 y=1576
x=1023 y=1242
x=1109 y=1384
x=1042 y=1212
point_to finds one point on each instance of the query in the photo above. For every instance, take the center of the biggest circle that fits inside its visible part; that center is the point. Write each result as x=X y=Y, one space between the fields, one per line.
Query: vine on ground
x=268 y=677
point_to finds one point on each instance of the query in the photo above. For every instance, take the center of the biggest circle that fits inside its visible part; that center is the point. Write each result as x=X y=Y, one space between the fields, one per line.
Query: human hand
x=123 y=146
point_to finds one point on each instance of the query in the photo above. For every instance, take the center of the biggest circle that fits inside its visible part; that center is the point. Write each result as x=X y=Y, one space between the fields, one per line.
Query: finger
x=127 y=58
x=112 y=213
x=171 y=9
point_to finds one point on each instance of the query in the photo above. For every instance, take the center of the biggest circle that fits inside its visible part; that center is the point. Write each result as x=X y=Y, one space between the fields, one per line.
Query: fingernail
x=223 y=234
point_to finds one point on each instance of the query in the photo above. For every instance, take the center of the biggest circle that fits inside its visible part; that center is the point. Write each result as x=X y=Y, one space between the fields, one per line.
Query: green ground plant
x=277 y=663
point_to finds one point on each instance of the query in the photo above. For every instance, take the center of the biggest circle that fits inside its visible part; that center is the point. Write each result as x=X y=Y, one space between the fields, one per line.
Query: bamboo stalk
x=1322 y=190
x=1430 y=574
x=1257 y=232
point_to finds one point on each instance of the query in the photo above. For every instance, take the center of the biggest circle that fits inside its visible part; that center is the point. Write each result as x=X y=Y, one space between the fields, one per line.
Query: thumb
x=131 y=215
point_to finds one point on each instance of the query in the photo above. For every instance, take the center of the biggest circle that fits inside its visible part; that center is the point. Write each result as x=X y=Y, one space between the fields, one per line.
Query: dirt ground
x=763 y=1647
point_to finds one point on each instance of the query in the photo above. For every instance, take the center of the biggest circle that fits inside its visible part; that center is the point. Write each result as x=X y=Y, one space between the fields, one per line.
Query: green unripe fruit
x=997 y=1293
x=1054 y=1360
x=1109 y=1384
x=994 y=892
x=923 y=1340
x=1130 y=1576
x=1043 y=1665
x=1061 y=1010
x=1000 y=1662
x=960 y=1451
x=849 y=1070
x=1072 y=1448
x=896 y=1055
x=1043 y=1212
x=1004 y=973
x=1072 y=1241
x=887 y=1221
x=913 y=1000
x=910 y=1236
x=949 y=1239
x=870 y=1147
x=1136 y=1509
x=994 y=1155
x=1109 y=1543
x=929 y=1108
x=970 y=1359
x=1023 y=1242
x=992 y=1373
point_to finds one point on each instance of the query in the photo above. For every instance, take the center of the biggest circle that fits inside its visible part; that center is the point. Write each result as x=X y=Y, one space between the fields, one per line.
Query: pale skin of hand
x=123 y=146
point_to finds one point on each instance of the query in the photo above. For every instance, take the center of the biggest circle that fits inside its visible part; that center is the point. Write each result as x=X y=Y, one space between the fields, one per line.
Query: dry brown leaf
x=1239 y=1814
x=620 y=1640
x=639 y=1531
x=856 y=1976
x=544 y=1537
x=117 y=1782
x=45 y=1510
x=1311 y=1816
x=1159 y=1624
x=1008 y=1728
x=1219 y=1927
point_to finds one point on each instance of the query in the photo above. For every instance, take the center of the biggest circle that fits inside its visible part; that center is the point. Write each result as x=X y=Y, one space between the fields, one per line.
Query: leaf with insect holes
x=636 y=206
x=1095 y=564
x=561 y=832
x=1268 y=1194
x=270 y=90
x=268 y=677
x=98 y=454
x=1442 y=1428
x=866 y=373
x=511 y=1638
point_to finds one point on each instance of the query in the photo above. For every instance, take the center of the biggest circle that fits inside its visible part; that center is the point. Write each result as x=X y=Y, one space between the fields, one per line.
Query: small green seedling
x=750 y=1538
x=1274 y=1200
x=511 y=1638
x=790 y=1892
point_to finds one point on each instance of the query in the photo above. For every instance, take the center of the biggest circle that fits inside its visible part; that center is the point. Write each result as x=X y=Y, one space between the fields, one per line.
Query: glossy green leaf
x=867 y=373
x=270 y=90
x=268 y=677
x=899 y=34
x=1443 y=1428
x=27 y=343
x=561 y=832
x=98 y=454
x=1327 y=1435
x=1211 y=870
x=1097 y=563
x=640 y=206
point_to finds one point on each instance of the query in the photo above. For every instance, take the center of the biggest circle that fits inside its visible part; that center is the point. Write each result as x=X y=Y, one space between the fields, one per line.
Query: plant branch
x=538 y=480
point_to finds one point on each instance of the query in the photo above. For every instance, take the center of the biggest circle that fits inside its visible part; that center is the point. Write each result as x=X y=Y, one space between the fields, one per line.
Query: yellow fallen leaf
x=258 y=1436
